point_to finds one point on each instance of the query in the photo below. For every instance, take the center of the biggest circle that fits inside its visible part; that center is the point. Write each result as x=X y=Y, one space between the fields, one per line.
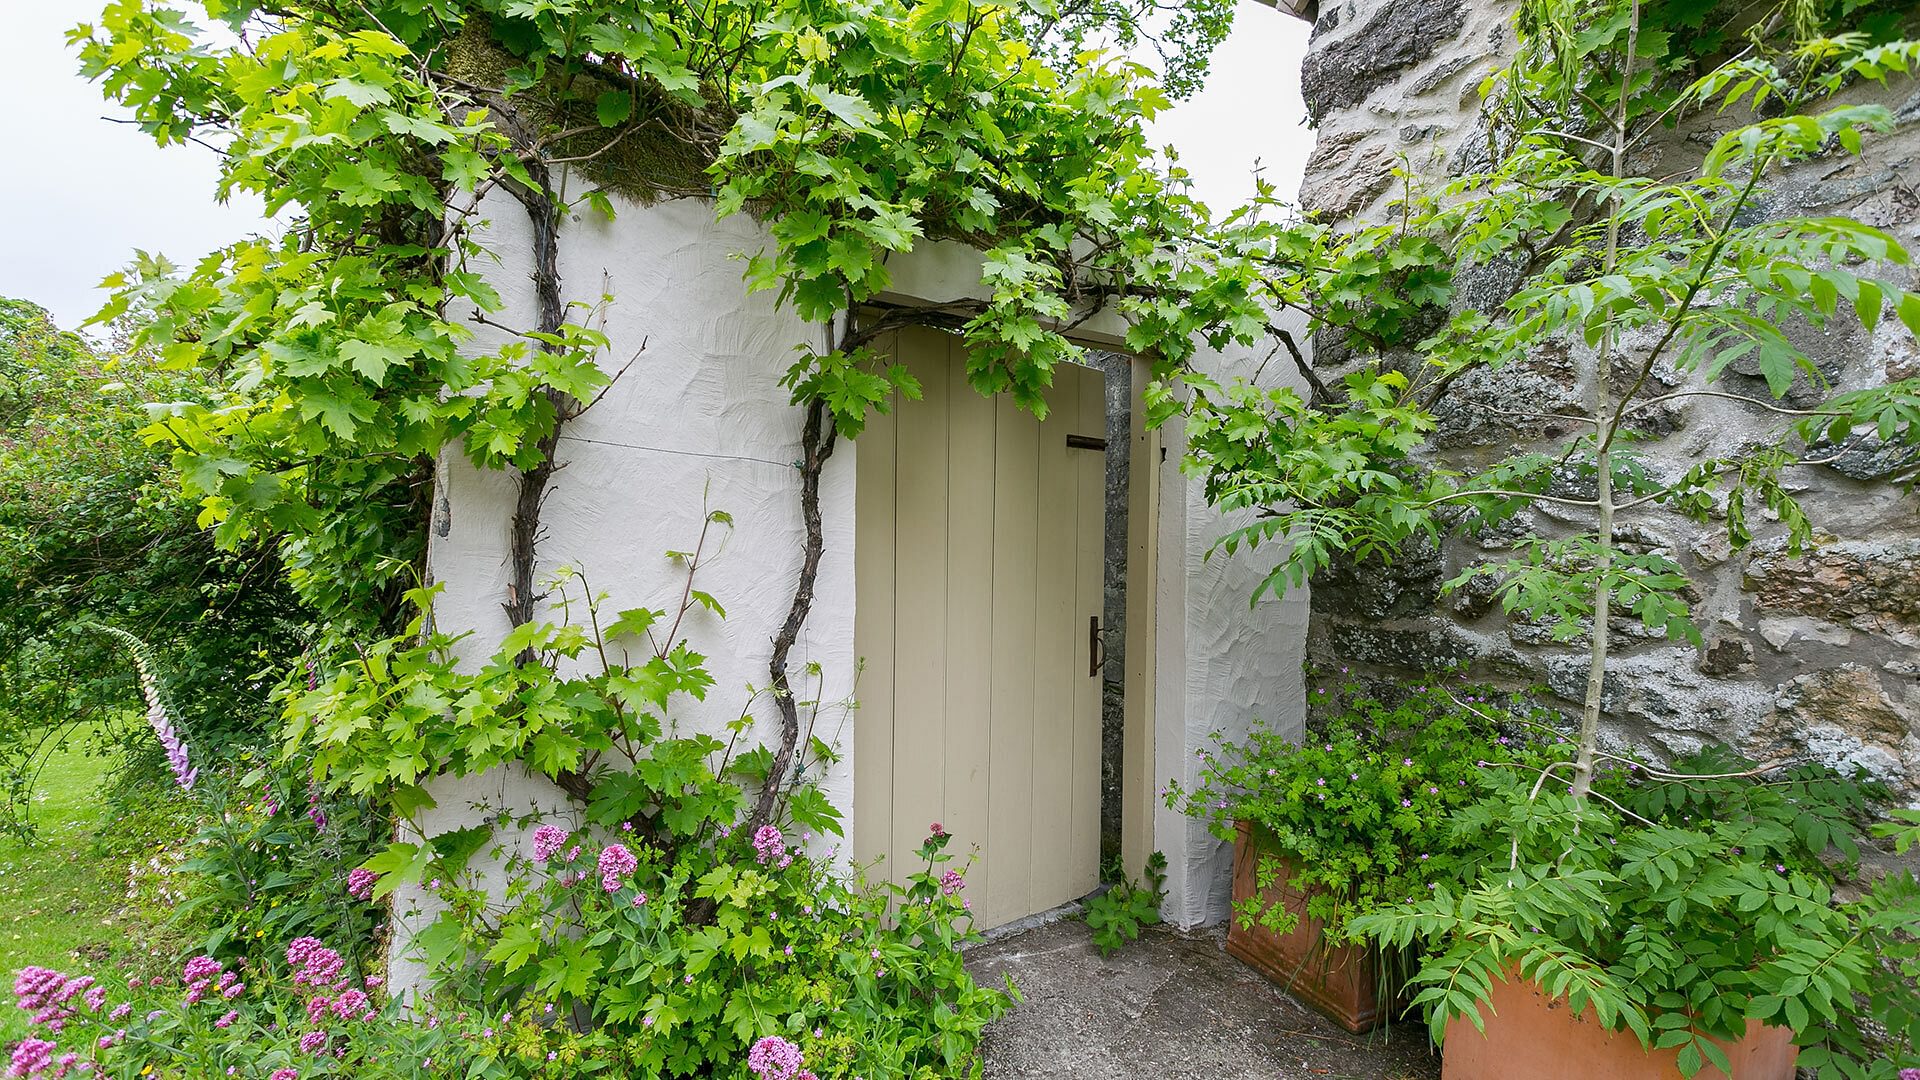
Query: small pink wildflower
x=616 y=862
x=360 y=883
x=774 y=1058
x=547 y=840
x=352 y=1005
x=768 y=844
x=31 y=1056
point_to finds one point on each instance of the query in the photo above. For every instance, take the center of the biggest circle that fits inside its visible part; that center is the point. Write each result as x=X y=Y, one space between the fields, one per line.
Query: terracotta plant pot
x=1530 y=1035
x=1342 y=982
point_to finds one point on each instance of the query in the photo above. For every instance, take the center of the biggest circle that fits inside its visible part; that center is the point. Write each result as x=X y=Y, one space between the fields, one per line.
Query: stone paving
x=1171 y=1006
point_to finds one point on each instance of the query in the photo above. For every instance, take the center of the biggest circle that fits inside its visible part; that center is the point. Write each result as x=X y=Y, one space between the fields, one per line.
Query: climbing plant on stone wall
x=1644 y=268
x=1656 y=284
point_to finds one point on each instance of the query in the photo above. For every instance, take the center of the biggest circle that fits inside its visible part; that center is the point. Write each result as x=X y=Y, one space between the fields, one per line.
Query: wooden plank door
x=979 y=542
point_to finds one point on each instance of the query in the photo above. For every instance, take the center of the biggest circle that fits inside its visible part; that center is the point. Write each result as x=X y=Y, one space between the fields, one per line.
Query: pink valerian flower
x=935 y=829
x=313 y=963
x=226 y=1020
x=616 y=862
x=768 y=844
x=352 y=1005
x=199 y=968
x=285 y=1074
x=774 y=1058
x=360 y=883
x=299 y=949
x=96 y=998
x=1910 y=1074
x=31 y=1056
x=322 y=968
x=72 y=989
x=317 y=1009
x=313 y=1041
x=951 y=883
x=120 y=1011
x=36 y=987
x=547 y=840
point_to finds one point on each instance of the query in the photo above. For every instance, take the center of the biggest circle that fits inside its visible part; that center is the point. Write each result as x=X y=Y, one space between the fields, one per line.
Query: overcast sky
x=81 y=193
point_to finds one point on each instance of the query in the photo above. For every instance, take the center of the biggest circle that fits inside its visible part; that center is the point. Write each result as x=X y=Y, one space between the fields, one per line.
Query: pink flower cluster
x=199 y=978
x=360 y=882
x=32 y=1057
x=951 y=883
x=774 y=1058
x=547 y=839
x=313 y=963
x=770 y=846
x=616 y=862
x=48 y=995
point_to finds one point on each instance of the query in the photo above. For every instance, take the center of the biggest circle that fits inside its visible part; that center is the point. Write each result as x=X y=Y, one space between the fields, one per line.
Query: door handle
x=1096 y=647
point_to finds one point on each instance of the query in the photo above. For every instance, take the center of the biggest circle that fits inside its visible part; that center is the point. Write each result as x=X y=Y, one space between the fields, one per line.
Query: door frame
x=1146 y=451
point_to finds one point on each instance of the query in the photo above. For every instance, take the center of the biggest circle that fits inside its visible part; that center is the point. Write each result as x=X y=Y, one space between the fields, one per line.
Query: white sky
x=81 y=193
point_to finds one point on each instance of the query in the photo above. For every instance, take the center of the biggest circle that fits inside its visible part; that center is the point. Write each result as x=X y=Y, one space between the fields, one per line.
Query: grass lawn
x=63 y=898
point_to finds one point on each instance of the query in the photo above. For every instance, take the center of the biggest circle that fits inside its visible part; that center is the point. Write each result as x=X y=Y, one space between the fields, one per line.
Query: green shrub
x=1362 y=806
x=689 y=948
x=93 y=530
x=268 y=863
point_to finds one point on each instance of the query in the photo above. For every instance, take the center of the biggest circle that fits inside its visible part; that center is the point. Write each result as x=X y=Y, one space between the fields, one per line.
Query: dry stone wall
x=1815 y=654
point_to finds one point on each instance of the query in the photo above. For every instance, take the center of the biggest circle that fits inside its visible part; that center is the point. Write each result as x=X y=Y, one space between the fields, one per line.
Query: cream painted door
x=978 y=553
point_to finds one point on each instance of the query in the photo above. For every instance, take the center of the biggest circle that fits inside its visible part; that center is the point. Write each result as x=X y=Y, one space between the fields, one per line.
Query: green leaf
x=613 y=108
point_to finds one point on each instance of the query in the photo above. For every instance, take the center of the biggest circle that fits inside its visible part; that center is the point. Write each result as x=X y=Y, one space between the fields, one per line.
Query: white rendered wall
x=1221 y=663
x=698 y=421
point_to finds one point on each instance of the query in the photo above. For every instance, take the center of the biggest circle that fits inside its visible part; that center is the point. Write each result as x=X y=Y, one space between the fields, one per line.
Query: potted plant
x=1351 y=819
x=1670 y=923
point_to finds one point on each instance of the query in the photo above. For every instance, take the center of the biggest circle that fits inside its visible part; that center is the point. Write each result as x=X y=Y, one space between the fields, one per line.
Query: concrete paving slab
x=1170 y=1006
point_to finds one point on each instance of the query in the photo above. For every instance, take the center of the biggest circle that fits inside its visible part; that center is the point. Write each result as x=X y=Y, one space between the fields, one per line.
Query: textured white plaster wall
x=1222 y=664
x=697 y=421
